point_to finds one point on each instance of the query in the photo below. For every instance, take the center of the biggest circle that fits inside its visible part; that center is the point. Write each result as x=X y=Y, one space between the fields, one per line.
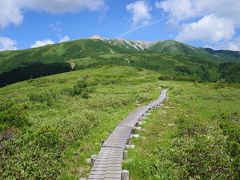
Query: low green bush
x=178 y=78
x=47 y=138
x=220 y=84
x=199 y=150
x=12 y=115
x=230 y=125
x=191 y=127
x=165 y=78
x=21 y=159
x=47 y=97
x=81 y=88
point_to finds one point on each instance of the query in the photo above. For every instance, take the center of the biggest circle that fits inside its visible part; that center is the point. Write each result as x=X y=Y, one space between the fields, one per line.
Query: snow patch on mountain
x=138 y=45
x=97 y=37
x=128 y=44
x=143 y=44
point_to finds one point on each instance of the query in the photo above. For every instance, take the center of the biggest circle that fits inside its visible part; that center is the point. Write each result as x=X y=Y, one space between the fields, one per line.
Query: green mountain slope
x=171 y=58
x=57 y=53
x=174 y=47
x=224 y=55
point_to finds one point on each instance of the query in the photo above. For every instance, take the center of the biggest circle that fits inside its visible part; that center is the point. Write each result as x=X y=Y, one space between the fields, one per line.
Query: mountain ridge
x=169 y=57
x=137 y=44
x=149 y=44
x=172 y=46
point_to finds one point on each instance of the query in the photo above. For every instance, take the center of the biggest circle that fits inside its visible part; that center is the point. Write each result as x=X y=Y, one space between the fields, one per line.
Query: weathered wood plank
x=108 y=164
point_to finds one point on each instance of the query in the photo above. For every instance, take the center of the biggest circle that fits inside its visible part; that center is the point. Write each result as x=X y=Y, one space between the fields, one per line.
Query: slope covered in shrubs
x=53 y=124
x=195 y=135
x=57 y=122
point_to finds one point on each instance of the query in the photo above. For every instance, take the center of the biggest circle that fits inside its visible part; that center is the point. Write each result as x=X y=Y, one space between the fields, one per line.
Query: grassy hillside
x=51 y=125
x=57 y=53
x=208 y=54
x=224 y=55
x=172 y=59
x=195 y=135
x=174 y=47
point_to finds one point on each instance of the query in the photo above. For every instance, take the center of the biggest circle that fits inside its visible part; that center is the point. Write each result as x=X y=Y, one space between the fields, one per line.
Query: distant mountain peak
x=98 y=37
x=138 y=45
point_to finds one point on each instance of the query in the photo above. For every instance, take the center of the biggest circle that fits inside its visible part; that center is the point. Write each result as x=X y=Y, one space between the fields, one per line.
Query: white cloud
x=11 y=11
x=64 y=39
x=177 y=9
x=211 y=21
x=45 y=42
x=41 y=43
x=140 y=11
x=63 y=6
x=209 y=28
x=180 y=10
x=221 y=8
x=7 y=44
x=233 y=45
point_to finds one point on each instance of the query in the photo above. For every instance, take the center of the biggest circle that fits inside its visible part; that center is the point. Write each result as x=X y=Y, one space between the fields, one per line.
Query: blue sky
x=33 y=23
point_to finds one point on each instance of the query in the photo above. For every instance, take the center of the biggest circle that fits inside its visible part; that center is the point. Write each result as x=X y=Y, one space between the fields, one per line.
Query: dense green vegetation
x=230 y=71
x=58 y=121
x=190 y=137
x=225 y=55
x=33 y=70
x=170 y=66
x=172 y=59
x=81 y=88
x=55 y=123
x=12 y=114
x=230 y=125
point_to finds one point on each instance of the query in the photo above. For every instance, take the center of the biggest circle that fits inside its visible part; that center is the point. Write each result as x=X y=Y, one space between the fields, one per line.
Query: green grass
x=63 y=130
x=194 y=135
x=188 y=138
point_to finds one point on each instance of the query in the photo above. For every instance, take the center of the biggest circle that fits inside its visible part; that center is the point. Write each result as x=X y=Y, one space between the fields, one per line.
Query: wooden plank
x=96 y=176
x=116 y=176
x=108 y=164
x=98 y=172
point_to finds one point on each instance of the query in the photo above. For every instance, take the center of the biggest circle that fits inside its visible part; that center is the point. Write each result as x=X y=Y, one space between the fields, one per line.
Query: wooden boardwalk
x=108 y=164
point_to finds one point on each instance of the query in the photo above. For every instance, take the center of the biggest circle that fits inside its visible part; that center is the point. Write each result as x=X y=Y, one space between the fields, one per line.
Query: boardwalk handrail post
x=125 y=175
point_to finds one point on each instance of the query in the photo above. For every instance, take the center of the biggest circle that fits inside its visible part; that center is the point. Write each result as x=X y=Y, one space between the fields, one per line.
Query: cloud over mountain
x=45 y=42
x=209 y=28
x=140 y=12
x=7 y=44
x=12 y=11
x=208 y=20
x=41 y=43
